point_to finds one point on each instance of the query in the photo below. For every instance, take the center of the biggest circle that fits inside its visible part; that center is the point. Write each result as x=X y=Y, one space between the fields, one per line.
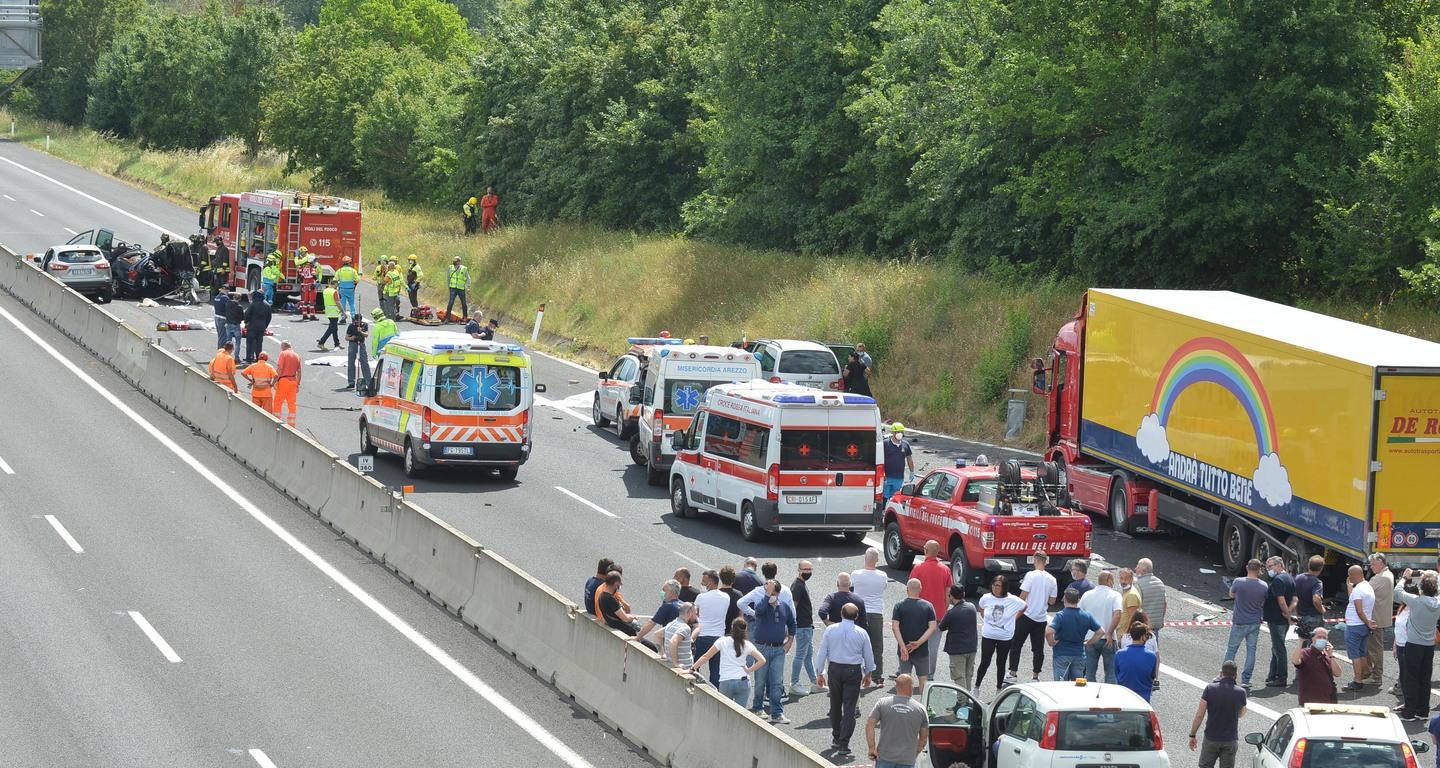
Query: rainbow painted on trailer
x=1208 y=359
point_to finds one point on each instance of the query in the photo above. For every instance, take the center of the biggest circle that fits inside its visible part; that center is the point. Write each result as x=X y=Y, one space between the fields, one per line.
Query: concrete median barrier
x=164 y=379
x=434 y=556
x=99 y=334
x=250 y=435
x=72 y=312
x=50 y=299
x=361 y=509
x=204 y=404
x=522 y=615
x=130 y=354
x=301 y=469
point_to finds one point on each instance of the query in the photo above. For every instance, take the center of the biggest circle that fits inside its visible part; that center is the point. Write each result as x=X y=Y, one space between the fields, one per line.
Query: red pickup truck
x=989 y=520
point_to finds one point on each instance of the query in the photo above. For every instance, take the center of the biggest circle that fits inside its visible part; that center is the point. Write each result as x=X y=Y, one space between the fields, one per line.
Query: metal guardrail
x=21 y=12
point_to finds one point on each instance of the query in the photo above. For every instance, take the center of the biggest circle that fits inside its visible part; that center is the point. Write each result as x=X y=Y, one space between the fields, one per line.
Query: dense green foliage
x=1281 y=148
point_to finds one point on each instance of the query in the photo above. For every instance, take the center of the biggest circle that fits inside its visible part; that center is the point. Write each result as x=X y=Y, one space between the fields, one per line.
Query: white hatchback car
x=1044 y=725
x=1336 y=736
x=799 y=362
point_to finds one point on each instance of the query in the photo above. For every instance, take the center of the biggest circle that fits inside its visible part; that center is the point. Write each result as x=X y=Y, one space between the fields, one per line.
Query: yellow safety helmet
x=303 y=249
x=897 y=427
x=689 y=341
x=473 y=201
x=413 y=257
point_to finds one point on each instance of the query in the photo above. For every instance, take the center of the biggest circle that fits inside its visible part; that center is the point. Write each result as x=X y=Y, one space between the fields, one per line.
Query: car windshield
x=78 y=257
x=1352 y=754
x=477 y=387
x=831 y=450
x=1106 y=731
x=808 y=361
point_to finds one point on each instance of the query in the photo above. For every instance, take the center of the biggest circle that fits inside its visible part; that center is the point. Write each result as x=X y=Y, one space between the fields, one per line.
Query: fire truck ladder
x=292 y=240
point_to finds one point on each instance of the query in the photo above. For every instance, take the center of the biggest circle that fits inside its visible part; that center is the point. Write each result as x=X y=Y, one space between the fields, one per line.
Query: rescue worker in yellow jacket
x=271 y=276
x=394 y=281
x=470 y=215
x=381 y=267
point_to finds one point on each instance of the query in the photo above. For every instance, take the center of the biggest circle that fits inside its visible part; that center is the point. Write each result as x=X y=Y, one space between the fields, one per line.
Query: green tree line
x=1282 y=148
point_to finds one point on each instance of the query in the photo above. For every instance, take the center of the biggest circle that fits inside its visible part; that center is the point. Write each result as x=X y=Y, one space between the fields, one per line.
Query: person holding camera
x=1316 y=668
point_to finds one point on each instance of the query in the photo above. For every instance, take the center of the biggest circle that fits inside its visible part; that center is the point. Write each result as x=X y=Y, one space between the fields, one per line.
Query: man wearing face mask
x=668 y=611
x=1280 y=605
x=1316 y=669
x=804 y=630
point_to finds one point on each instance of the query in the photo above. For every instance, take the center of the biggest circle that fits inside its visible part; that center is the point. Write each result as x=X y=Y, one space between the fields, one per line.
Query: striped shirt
x=1152 y=598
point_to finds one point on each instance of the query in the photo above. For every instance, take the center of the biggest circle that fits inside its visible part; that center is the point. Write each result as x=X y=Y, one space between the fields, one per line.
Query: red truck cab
x=989 y=520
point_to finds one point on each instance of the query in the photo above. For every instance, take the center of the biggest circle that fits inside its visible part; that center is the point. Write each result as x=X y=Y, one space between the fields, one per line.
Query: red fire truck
x=255 y=223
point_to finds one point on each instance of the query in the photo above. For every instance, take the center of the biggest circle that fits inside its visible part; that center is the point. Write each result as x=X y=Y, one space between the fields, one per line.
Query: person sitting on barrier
x=605 y=587
x=666 y=613
x=678 y=632
x=611 y=611
x=687 y=592
x=593 y=583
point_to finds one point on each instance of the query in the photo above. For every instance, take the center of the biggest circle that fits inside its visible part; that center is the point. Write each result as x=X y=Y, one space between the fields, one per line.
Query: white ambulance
x=781 y=457
x=440 y=398
x=671 y=387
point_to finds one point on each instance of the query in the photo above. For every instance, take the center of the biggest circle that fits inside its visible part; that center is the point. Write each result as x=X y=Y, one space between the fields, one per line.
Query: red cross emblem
x=852 y=450
x=804 y=449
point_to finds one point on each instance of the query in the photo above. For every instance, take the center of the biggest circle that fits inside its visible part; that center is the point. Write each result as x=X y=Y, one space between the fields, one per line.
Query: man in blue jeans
x=1250 y=594
x=1066 y=635
x=804 y=630
x=773 y=633
x=898 y=459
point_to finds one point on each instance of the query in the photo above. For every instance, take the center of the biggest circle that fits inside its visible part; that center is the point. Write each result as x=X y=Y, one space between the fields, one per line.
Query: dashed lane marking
x=65 y=535
x=586 y=502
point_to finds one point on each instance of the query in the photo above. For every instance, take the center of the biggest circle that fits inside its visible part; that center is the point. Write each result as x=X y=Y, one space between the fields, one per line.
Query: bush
x=1001 y=358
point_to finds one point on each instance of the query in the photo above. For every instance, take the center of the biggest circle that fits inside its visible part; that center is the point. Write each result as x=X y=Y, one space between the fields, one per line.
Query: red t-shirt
x=1313 y=674
x=935 y=582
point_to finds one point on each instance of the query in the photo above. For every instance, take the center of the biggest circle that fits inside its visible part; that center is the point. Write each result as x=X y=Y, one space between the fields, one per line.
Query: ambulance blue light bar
x=439 y=347
x=516 y=348
x=859 y=400
x=810 y=399
x=647 y=340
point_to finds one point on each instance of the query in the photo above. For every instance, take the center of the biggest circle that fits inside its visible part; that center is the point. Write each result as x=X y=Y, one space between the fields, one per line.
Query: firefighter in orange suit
x=287 y=385
x=222 y=366
x=261 y=375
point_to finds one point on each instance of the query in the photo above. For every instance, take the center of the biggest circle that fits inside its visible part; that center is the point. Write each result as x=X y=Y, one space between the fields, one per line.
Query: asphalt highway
x=578 y=499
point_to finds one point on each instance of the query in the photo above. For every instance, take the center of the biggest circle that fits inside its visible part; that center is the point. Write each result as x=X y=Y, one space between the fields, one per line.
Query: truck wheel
x=655 y=475
x=1120 y=519
x=1299 y=562
x=960 y=571
x=749 y=528
x=366 y=447
x=252 y=280
x=1234 y=546
x=413 y=467
x=897 y=555
x=635 y=454
x=679 y=502
x=1264 y=549
x=597 y=416
x=508 y=474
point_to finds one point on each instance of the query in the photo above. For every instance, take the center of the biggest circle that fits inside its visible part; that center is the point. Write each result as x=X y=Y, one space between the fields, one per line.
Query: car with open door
x=957 y=726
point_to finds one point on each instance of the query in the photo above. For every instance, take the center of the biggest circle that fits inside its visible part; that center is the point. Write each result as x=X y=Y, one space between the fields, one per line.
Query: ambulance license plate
x=790 y=499
x=458 y=450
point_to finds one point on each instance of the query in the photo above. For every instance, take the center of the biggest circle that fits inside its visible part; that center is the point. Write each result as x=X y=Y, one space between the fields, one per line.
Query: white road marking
x=1196 y=682
x=1202 y=604
x=872 y=542
x=687 y=557
x=973 y=442
x=11 y=199
x=6 y=468
x=427 y=646
x=587 y=502
x=37 y=213
x=71 y=231
x=165 y=649
x=89 y=197
x=263 y=759
x=557 y=406
x=65 y=535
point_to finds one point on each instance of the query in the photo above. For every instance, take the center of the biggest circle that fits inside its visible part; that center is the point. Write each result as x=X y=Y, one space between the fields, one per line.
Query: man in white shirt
x=1359 y=623
x=713 y=605
x=868 y=584
x=1038 y=589
x=757 y=595
x=1102 y=602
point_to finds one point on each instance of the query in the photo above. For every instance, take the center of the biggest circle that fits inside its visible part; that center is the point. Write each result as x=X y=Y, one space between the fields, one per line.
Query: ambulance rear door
x=827 y=465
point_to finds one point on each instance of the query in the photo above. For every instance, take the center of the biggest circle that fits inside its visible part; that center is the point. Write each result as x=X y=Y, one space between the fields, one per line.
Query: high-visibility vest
x=222 y=368
x=262 y=377
x=393 y=281
x=418 y=273
x=468 y=210
x=347 y=274
x=459 y=276
x=381 y=333
x=332 y=302
x=272 y=273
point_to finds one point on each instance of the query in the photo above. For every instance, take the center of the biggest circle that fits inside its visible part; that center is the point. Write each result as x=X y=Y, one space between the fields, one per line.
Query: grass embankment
x=947 y=343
